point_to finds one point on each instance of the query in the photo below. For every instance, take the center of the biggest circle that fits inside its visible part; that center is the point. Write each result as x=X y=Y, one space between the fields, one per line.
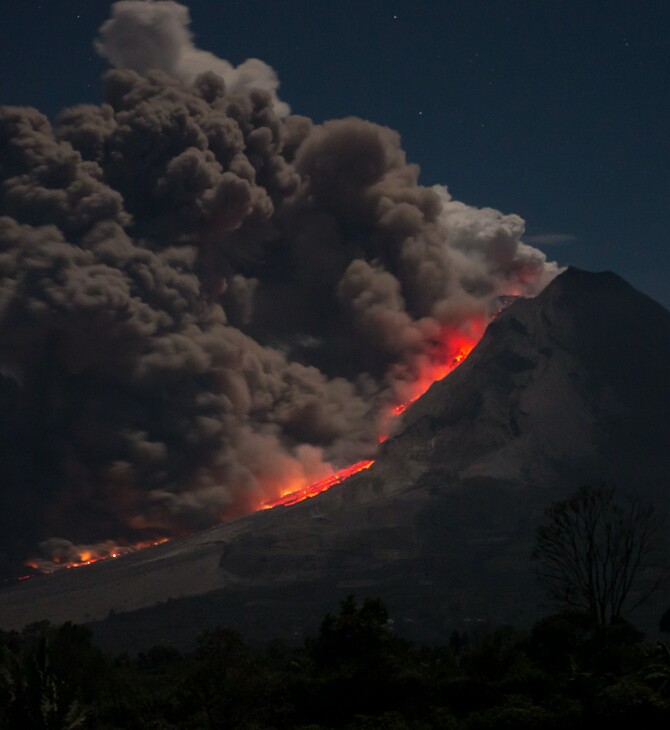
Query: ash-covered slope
x=563 y=389
x=570 y=386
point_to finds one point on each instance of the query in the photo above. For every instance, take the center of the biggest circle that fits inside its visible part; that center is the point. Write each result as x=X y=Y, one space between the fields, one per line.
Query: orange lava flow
x=446 y=356
x=88 y=556
x=320 y=486
x=434 y=372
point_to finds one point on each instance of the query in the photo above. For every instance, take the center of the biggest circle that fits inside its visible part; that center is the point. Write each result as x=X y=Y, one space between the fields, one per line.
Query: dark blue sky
x=557 y=111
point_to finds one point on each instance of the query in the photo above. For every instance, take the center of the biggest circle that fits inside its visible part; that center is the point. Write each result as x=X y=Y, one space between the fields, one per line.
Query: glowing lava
x=87 y=555
x=321 y=486
x=447 y=357
x=432 y=375
x=447 y=354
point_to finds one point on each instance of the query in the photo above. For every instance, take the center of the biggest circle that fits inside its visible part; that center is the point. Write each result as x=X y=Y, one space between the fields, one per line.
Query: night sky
x=556 y=111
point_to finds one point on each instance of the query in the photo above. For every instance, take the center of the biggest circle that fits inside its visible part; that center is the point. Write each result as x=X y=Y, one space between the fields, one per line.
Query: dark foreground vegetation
x=568 y=671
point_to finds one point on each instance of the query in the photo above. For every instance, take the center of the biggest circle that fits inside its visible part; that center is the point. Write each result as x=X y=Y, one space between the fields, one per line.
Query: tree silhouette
x=356 y=640
x=591 y=552
x=33 y=693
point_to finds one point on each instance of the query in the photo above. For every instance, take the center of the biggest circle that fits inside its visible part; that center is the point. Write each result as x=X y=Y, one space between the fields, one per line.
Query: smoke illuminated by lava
x=63 y=554
x=449 y=354
x=206 y=302
x=293 y=496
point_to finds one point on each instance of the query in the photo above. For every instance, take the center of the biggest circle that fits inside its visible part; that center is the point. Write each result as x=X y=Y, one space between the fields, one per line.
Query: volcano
x=566 y=389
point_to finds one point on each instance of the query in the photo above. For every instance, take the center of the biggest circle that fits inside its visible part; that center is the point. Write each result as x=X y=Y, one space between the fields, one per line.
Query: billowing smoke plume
x=155 y=35
x=203 y=299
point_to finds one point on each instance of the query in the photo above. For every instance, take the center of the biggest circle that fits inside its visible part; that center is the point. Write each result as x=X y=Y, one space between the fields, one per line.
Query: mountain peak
x=553 y=388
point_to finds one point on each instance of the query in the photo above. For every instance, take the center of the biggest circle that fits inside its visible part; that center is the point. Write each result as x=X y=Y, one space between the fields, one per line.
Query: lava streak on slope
x=432 y=375
x=453 y=351
x=70 y=556
x=447 y=356
x=320 y=486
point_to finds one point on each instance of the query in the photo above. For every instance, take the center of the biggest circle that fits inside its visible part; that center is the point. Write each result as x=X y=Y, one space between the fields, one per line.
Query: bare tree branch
x=591 y=551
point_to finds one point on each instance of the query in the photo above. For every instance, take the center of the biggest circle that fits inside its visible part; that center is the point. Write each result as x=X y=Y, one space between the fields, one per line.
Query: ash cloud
x=145 y=35
x=204 y=299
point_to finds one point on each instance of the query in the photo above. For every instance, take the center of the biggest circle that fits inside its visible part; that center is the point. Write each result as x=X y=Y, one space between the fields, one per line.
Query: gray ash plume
x=204 y=298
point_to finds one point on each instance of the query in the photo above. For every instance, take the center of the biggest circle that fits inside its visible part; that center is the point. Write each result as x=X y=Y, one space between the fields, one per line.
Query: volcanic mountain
x=568 y=388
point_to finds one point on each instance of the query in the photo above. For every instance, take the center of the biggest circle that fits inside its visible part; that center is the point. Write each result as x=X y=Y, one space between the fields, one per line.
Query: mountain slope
x=570 y=385
x=567 y=388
